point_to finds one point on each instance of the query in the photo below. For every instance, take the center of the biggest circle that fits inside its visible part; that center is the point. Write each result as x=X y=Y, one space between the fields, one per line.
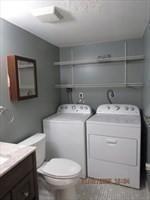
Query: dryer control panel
x=74 y=108
x=121 y=109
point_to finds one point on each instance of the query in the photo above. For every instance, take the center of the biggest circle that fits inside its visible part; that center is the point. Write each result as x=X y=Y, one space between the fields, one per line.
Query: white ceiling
x=84 y=21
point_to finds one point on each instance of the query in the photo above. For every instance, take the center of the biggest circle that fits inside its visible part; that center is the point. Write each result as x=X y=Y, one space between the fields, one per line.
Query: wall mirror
x=23 y=78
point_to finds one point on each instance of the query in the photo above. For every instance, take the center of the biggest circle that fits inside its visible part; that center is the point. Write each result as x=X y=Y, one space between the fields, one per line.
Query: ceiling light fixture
x=47 y=14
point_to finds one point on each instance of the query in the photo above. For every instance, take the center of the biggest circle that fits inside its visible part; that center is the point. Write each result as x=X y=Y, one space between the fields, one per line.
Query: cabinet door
x=6 y=197
x=25 y=189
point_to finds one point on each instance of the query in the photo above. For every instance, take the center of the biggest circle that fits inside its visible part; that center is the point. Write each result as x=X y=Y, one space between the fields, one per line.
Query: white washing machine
x=66 y=133
x=113 y=144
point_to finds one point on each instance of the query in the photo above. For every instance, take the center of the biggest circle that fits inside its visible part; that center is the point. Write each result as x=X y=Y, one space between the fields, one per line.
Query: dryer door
x=113 y=149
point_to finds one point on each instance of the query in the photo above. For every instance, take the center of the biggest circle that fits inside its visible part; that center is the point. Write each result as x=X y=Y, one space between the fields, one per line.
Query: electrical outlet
x=81 y=95
x=2 y=109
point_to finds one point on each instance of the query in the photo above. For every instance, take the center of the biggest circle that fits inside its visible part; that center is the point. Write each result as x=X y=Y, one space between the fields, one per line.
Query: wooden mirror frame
x=14 y=77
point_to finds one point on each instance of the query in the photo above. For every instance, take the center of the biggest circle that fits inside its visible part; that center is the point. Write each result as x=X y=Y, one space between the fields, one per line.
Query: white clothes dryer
x=114 y=143
x=66 y=133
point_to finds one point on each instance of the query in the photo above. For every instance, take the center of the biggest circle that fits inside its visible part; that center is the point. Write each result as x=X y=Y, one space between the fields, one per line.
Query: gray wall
x=103 y=73
x=146 y=94
x=28 y=113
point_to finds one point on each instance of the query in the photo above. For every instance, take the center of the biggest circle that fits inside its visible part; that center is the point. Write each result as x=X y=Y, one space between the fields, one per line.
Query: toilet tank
x=39 y=141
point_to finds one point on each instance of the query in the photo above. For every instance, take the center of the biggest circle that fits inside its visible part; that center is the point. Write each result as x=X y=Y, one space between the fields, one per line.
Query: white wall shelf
x=124 y=60
x=106 y=85
x=100 y=60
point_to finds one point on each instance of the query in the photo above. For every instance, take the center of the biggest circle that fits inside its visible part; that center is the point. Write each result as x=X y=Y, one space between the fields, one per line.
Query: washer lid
x=68 y=117
x=122 y=120
x=61 y=168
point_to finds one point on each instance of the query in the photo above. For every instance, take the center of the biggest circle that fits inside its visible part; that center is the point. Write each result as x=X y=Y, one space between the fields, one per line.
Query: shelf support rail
x=125 y=64
x=72 y=67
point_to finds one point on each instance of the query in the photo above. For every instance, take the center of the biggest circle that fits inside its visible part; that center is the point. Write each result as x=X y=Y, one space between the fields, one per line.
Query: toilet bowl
x=62 y=175
x=59 y=173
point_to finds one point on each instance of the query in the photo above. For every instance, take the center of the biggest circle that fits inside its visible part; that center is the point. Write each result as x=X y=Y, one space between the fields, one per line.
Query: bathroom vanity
x=18 y=177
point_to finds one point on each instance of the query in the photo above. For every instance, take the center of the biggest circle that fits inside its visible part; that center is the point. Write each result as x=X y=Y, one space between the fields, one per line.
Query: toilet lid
x=61 y=168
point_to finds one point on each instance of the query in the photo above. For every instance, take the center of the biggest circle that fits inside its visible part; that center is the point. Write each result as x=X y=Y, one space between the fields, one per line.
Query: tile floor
x=99 y=192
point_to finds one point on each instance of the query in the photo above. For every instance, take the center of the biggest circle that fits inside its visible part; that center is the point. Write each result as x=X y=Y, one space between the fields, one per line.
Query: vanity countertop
x=11 y=155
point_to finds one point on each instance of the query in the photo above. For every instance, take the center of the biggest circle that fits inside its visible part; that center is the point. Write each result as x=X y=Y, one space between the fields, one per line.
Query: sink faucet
x=110 y=94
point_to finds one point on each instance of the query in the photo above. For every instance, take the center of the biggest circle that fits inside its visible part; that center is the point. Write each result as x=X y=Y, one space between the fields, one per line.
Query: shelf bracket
x=125 y=63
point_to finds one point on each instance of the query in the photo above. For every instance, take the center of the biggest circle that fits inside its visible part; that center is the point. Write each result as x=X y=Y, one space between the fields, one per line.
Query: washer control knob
x=126 y=108
x=108 y=107
x=73 y=107
x=117 y=107
x=132 y=108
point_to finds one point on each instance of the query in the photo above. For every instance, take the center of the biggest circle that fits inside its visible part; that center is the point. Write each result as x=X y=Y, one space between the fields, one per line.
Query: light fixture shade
x=47 y=14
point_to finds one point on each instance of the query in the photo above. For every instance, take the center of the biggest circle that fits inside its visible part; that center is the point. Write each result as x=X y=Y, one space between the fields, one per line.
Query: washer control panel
x=74 y=108
x=122 y=109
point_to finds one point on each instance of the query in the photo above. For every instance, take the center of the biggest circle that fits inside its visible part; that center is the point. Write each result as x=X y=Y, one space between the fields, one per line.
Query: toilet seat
x=60 y=168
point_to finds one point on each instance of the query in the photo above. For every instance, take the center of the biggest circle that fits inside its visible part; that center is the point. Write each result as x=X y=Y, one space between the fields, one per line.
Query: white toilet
x=61 y=174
